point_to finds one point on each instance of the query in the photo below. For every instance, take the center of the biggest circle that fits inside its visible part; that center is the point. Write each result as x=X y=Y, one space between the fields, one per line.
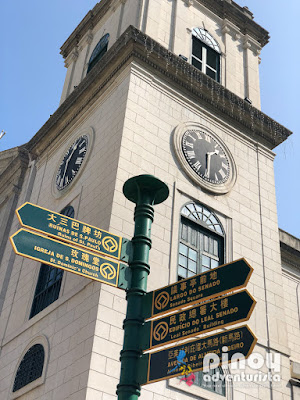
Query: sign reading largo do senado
x=173 y=313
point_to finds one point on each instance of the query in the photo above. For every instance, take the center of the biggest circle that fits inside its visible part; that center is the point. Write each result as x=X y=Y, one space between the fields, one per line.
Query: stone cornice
x=12 y=176
x=239 y=16
x=134 y=45
x=290 y=246
x=89 y=21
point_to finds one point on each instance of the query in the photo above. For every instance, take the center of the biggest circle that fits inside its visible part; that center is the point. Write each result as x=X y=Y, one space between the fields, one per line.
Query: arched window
x=98 y=52
x=30 y=368
x=49 y=280
x=201 y=241
x=201 y=248
x=206 y=53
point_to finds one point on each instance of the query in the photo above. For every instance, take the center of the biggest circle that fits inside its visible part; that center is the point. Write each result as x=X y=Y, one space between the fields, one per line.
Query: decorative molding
x=188 y=3
x=71 y=58
x=237 y=15
x=86 y=40
x=253 y=45
x=134 y=45
x=89 y=21
x=230 y=28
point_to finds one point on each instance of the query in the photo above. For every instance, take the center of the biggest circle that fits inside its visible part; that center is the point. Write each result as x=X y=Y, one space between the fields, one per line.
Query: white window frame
x=207 y=39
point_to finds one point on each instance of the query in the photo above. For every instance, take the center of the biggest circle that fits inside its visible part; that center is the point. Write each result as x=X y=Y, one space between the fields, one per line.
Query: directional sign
x=188 y=357
x=203 y=317
x=198 y=288
x=64 y=256
x=70 y=230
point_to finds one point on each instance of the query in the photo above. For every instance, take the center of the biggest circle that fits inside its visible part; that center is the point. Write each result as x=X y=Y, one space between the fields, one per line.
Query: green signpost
x=203 y=317
x=145 y=191
x=69 y=258
x=188 y=357
x=200 y=298
x=72 y=231
x=198 y=288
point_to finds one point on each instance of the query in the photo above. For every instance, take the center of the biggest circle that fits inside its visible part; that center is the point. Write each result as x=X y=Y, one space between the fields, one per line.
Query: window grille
x=30 y=368
x=49 y=280
x=201 y=244
x=201 y=248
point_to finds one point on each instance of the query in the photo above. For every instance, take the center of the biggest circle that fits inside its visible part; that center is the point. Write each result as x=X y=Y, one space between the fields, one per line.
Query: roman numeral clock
x=204 y=157
x=72 y=162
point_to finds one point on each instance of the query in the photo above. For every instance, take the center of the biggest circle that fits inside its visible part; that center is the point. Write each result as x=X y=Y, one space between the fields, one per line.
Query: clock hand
x=208 y=157
x=67 y=163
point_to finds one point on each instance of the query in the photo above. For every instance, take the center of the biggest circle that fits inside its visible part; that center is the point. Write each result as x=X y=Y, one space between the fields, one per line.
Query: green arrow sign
x=188 y=357
x=202 y=318
x=72 y=231
x=69 y=258
x=198 y=288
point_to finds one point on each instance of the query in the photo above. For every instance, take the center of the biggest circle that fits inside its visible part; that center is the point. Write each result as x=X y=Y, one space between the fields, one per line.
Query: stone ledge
x=133 y=45
x=290 y=249
x=240 y=16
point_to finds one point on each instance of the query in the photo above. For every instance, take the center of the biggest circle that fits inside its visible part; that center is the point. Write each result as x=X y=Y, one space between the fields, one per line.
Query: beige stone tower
x=162 y=87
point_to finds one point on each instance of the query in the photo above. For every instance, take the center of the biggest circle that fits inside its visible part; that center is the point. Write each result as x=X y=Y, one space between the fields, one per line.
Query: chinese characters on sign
x=165 y=364
x=203 y=317
x=198 y=288
x=61 y=255
x=69 y=230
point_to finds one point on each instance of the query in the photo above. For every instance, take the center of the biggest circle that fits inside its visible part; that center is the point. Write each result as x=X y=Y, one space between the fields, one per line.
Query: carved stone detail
x=229 y=28
x=86 y=40
x=71 y=58
x=189 y=3
x=249 y=43
x=134 y=45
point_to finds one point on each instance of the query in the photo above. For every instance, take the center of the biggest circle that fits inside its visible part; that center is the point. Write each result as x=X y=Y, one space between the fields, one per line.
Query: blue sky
x=32 y=74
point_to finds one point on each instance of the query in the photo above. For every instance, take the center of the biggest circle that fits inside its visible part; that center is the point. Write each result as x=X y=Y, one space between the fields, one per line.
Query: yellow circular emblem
x=107 y=271
x=110 y=244
x=162 y=300
x=161 y=330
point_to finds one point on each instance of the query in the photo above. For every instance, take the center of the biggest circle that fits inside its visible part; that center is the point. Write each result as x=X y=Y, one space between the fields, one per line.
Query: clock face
x=206 y=156
x=71 y=162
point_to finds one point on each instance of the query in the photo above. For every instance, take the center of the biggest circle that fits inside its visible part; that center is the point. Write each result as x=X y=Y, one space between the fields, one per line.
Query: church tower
x=168 y=88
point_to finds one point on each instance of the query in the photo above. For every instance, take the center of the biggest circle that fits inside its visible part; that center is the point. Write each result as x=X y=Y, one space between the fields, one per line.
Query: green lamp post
x=145 y=191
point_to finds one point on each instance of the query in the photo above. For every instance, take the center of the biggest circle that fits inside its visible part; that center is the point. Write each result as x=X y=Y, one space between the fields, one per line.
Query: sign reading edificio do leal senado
x=203 y=317
x=71 y=230
x=64 y=256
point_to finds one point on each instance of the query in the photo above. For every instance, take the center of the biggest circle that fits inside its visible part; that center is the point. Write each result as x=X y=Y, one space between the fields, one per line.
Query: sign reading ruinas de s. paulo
x=70 y=230
x=188 y=357
x=64 y=256
x=198 y=288
x=203 y=317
